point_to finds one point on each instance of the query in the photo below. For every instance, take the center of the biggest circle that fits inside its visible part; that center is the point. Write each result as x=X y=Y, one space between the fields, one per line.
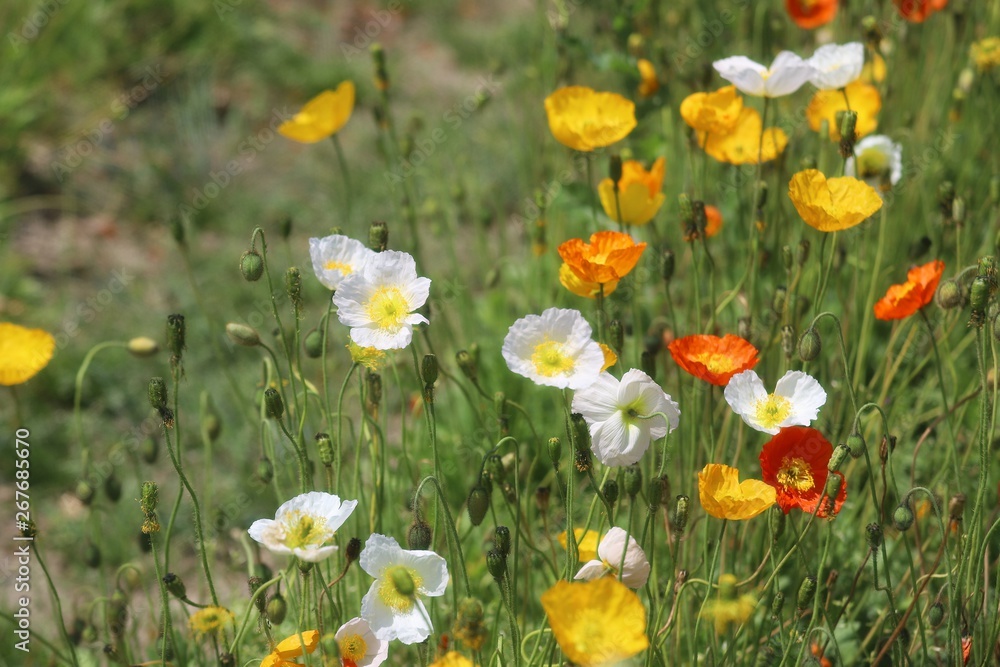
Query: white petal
x=590 y=570
x=743 y=73
x=609 y=441
x=636 y=569
x=381 y=339
x=380 y=552
x=805 y=394
x=378 y=615
x=788 y=73
x=598 y=401
x=259 y=528
x=314 y=554
x=432 y=568
x=743 y=393
x=412 y=627
x=836 y=65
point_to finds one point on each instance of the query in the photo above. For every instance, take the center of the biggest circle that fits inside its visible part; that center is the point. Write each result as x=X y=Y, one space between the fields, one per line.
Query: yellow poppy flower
x=648 y=83
x=723 y=495
x=584 y=119
x=986 y=53
x=586 y=543
x=825 y=104
x=610 y=359
x=599 y=622
x=322 y=116
x=874 y=70
x=741 y=144
x=291 y=646
x=729 y=607
x=639 y=195
x=370 y=357
x=715 y=113
x=831 y=205
x=452 y=659
x=581 y=287
x=23 y=352
x=210 y=622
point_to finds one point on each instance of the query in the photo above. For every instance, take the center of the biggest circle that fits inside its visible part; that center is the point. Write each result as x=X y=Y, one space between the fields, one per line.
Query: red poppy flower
x=795 y=462
x=917 y=11
x=907 y=298
x=714 y=359
x=810 y=14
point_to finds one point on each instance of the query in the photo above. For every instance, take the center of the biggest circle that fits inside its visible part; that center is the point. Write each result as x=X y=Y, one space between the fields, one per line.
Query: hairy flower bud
x=242 y=334
x=501 y=540
x=251 y=266
x=378 y=236
x=478 y=504
x=810 y=345
x=902 y=518
x=807 y=591
x=419 y=535
x=273 y=405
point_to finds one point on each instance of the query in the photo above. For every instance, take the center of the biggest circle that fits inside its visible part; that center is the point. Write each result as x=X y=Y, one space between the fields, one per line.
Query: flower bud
x=610 y=491
x=807 y=591
x=979 y=296
x=313 y=344
x=496 y=563
x=419 y=535
x=848 y=125
x=633 y=480
x=378 y=236
x=478 y=504
x=176 y=336
x=242 y=334
x=935 y=615
x=429 y=369
x=582 y=460
x=667 y=262
x=353 y=550
x=112 y=487
x=581 y=432
x=678 y=522
x=949 y=294
x=148 y=450
x=615 y=169
x=174 y=585
x=788 y=340
x=776 y=521
x=833 y=484
x=810 y=345
x=873 y=535
x=777 y=603
x=501 y=540
x=902 y=518
x=778 y=299
x=142 y=346
x=856 y=445
x=654 y=492
x=555 y=451
x=494 y=467
x=149 y=497
x=158 y=394
x=958 y=210
x=277 y=608
x=468 y=365
x=293 y=286
x=802 y=256
x=273 y=405
x=837 y=459
x=956 y=507
x=325 y=448
x=251 y=266
x=373 y=390
x=265 y=470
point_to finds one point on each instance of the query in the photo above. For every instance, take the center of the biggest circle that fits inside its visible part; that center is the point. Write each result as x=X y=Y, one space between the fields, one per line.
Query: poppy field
x=463 y=334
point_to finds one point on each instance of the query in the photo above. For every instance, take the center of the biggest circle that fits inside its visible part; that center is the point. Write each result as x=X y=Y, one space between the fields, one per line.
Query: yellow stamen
x=391 y=595
x=353 y=647
x=304 y=530
x=771 y=411
x=388 y=308
x=795 y=473
x=549 y=359
x=344 y=268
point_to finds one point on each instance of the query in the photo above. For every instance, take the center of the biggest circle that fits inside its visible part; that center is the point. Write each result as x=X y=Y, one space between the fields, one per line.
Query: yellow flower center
x=872 y=163
x=305 y=530
x=353 y=647
x=388 y=590
x=549 y=359
x=772 y=411
x=716 y=362
x=795 y=473
x=343 y=267
x=388 y=308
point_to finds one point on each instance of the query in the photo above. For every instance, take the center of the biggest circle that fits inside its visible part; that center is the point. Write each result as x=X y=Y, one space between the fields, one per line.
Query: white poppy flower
x=359 y=644
x=304 y=526
x=836 y=65
x=635 y=571
x=614 y=412
x=336 y=257
x=392 y=606
x=786 y=75
x=796 y=400
x=378 y=301
x=553 y=349
x=877 y=160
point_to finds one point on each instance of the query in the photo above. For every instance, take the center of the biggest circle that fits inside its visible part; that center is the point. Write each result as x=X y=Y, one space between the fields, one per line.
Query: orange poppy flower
x=811 y=14
x=795 y=462
x=917 y=11
x=713 y=359
x=904 y=299
x=713 y=220
x=608 y=257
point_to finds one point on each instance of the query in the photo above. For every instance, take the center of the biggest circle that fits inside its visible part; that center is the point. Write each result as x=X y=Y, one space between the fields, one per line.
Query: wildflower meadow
x=500 y=334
